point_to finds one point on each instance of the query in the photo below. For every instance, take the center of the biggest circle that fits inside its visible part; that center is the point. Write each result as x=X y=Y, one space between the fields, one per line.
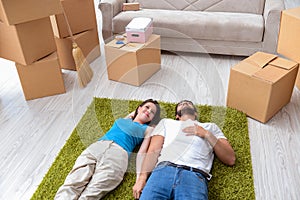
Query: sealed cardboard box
x=80 y=15
x=15 y=11
x=139 y=29
x=261 y=85
x=131 y=6
x=133 y=63
x=288 y=39
x=87 y=41
x=42 y=78
x=27 y=42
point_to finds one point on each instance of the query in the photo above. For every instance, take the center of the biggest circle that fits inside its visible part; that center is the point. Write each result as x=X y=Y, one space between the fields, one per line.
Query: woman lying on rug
x=181 y=154
x=101 y=167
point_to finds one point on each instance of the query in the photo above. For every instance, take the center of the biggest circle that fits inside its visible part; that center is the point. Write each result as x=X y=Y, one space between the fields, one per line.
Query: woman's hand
x=138 y=187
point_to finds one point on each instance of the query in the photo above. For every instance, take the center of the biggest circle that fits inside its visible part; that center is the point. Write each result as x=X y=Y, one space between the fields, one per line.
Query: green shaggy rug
x=227 y=182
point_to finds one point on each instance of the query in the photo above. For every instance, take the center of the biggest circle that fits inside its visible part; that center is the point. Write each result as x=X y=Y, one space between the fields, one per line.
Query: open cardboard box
x=87 y=41
x=27 y=42
x=41 y=78
x=80 y=15
x=133 y=63
x=261 y=85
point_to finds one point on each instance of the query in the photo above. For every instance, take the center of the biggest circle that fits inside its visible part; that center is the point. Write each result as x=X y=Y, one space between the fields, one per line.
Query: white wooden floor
x=33 y=132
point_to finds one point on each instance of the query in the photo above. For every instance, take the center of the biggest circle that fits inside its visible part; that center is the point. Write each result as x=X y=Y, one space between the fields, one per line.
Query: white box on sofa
x=139 y=29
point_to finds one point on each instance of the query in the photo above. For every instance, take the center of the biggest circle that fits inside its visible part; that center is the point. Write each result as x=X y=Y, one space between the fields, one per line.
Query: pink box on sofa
x=139 y=29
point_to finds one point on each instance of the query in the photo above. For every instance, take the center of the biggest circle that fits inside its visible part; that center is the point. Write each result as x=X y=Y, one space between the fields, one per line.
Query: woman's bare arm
x=148 y=164
x=143 y=150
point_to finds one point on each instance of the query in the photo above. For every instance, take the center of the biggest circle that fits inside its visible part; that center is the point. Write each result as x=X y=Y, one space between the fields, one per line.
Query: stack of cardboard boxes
x=134 y=57
x=33 y=34
x=263 y=83
x=26 y=37
x=82 y=20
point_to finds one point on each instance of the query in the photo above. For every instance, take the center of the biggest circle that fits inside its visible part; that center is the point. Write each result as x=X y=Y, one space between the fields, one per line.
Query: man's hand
x=195 y=130
x=138 y=187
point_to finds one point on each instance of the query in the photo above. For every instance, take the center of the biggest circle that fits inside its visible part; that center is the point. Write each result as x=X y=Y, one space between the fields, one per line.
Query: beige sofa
x=233 y=27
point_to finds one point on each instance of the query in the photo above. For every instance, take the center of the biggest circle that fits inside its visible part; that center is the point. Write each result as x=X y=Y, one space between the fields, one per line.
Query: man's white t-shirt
x=181 y=149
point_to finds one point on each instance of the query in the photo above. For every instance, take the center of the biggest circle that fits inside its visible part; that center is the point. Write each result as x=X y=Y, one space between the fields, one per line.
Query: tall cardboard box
x=288 y=39
x=133 y=63
x=15 y=11
x=87 y=41
x=80 y=15
x=298 y=80
x=261 y=85
x=27 y=42
x=42 y=78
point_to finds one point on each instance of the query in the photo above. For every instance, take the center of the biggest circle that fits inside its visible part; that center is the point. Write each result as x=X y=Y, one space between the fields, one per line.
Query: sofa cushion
x=198 y=25
x=243 y=6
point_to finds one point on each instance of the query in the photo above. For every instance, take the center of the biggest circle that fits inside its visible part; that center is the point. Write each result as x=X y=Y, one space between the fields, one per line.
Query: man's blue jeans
x=167 y=182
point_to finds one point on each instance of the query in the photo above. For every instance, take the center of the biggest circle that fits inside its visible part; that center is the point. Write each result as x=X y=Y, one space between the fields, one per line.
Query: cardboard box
x=131 y=6
x=139 y=29
x=27 y=42
x=298 y=80
x=42 y=78
x=80 y=15
x=15 y=11
x=133 y=63
x=288 y=39
x=261 y=85
x=87 y=41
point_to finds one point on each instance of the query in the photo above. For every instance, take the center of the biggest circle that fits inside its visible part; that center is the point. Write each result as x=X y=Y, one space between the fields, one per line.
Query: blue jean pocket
x=200 y=177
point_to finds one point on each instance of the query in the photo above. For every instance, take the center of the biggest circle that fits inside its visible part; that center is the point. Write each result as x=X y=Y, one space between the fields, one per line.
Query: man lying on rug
x=183 y=152
x=101 y=167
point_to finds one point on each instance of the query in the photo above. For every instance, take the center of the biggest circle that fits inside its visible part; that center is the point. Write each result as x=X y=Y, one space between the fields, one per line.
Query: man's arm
x=148 y=164
x=224 y=151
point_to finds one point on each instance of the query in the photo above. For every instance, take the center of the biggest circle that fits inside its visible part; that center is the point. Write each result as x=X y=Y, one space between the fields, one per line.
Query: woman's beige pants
x=98 y=170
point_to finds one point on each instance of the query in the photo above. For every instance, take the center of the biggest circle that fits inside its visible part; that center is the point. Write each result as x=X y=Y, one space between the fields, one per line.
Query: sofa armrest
x=109 y=9
x=272 y=14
